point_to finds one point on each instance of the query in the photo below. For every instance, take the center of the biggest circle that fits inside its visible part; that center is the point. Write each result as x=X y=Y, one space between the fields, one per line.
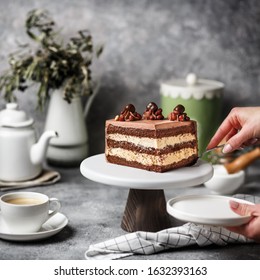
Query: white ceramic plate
x=54 y=225
x=206 y=209
x=97 y=169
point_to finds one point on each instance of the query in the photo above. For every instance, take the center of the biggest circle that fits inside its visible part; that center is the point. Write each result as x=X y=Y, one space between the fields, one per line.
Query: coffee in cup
x=24 y=201
x=26 y=212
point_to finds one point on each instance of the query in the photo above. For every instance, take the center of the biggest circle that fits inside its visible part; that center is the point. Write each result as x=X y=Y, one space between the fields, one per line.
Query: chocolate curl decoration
x=178 y=114
x=128 y=114
x=152 y=112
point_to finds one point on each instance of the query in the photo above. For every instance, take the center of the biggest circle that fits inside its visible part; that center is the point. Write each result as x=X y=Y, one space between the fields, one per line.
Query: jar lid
x=192 y=87
x=11 y=116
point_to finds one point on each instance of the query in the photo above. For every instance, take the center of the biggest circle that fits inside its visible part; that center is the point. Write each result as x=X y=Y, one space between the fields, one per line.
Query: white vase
x=68 y=119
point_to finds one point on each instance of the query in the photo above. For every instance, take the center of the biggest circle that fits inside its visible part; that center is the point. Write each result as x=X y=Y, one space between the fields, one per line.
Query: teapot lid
x=13 y=117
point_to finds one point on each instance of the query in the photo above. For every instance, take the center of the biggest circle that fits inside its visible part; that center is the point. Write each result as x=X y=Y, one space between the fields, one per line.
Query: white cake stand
x=146 y=206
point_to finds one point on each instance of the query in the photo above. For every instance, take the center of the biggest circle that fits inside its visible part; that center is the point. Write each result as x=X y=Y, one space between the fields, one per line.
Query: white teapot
x=21 y=157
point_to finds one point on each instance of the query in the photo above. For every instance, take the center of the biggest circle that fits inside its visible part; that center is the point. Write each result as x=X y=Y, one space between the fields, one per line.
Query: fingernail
x=233 y=204
x=253 y=141
x=227 y=149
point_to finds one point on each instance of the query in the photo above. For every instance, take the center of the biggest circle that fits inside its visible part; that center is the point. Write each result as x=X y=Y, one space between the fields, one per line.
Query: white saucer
x=97 y=169
x=54 y=225
x=206 y=209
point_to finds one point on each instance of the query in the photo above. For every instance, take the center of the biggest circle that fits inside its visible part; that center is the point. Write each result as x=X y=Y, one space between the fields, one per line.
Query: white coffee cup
x=26 y=212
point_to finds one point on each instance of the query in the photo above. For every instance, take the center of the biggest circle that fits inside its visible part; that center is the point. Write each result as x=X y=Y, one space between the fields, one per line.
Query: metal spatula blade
x=209 y=150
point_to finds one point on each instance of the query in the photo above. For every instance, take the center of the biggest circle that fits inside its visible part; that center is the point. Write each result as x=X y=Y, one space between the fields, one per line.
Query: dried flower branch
x=52 y=65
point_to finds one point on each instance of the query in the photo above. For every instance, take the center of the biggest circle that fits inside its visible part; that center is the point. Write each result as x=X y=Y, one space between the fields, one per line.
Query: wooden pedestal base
x=145 y=211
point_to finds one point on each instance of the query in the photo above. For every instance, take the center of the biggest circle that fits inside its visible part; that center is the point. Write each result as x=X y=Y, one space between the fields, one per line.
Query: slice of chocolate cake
x=154 y=143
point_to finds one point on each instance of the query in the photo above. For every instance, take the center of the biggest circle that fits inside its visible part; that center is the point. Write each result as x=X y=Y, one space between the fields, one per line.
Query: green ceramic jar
x=202 y=100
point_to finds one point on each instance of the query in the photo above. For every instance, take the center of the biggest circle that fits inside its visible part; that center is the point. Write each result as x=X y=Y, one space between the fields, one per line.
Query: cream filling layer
x=149 y=160
x=147 y=142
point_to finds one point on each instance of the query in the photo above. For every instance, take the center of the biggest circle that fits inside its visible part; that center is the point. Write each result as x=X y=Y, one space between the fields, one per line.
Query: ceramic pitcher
x=69 y=120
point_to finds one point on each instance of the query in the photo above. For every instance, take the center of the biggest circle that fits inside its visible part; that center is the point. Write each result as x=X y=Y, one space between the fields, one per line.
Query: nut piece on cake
x=178 y=114
x=152 y=112
x=128 y=114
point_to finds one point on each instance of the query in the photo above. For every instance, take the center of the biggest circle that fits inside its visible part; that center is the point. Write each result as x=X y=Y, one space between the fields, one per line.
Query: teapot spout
x=38 y=150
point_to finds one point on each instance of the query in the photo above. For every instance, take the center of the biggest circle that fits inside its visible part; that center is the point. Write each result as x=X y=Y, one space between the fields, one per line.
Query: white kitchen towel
x=146 y=243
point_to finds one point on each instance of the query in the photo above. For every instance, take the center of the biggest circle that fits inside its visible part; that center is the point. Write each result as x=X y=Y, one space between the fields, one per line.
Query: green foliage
x=53 y=65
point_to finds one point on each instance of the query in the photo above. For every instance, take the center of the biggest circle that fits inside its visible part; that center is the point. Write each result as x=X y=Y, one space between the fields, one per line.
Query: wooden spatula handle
x=242 y=161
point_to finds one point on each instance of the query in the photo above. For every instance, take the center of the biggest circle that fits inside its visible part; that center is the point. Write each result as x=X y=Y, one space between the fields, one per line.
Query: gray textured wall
x=147 y=42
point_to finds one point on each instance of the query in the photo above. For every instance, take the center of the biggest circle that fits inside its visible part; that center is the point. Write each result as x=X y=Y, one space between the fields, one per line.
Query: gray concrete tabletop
x=95 y=211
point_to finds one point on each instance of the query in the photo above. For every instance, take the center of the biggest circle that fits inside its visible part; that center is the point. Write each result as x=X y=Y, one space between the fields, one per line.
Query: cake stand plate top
x=97 y=169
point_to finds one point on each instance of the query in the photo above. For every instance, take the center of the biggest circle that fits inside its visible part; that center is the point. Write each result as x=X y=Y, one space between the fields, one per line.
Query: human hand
x=240 y=128
x=252 y=228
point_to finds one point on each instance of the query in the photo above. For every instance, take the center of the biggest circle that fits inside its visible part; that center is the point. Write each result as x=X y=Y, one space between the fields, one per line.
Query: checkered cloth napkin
x=146 y=243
